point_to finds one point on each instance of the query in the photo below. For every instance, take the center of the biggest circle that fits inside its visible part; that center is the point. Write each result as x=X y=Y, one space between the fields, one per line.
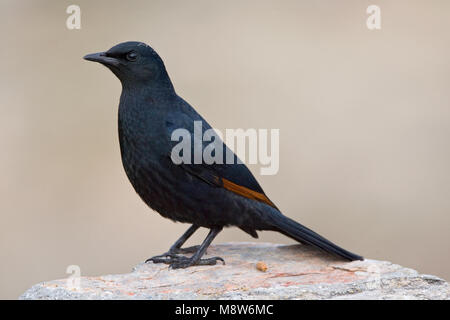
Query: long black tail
x=300 y=233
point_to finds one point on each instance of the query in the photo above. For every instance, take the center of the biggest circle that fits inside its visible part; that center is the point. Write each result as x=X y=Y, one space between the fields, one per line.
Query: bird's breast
x=144 y=158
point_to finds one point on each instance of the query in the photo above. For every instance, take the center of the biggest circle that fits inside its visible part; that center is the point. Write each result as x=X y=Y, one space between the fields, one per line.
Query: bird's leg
x=184 y=262
x=176 y=247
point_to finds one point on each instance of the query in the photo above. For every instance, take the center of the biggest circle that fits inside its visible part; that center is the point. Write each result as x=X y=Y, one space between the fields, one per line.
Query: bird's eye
x=131 y=56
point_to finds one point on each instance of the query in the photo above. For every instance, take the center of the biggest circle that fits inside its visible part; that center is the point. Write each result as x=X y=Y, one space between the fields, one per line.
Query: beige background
x=364 y=121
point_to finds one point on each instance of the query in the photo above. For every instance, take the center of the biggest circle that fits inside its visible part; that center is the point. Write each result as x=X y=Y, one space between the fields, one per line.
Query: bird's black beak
x=102 y=58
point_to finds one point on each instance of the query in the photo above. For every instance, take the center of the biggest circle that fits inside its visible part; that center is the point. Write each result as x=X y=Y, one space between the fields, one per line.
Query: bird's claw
x=161 y=258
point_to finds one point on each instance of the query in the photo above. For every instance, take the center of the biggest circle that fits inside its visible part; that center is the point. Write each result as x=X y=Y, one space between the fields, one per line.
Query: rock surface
x=291 y=272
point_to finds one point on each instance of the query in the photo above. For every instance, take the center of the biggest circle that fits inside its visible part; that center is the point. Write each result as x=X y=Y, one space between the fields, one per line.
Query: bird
x=213 y=196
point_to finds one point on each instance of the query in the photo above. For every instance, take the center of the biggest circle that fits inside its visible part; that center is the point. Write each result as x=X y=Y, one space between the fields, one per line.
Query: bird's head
x=133 y=63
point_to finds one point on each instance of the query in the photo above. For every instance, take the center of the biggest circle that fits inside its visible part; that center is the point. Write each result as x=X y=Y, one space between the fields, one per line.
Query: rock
x=256 y=271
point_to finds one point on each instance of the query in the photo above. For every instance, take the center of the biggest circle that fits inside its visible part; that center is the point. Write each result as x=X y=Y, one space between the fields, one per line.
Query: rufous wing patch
x=246 y=192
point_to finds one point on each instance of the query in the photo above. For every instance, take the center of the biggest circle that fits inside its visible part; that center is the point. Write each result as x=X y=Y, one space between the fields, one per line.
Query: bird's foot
x=189 y=262
x=180 y=262
x=173 y=252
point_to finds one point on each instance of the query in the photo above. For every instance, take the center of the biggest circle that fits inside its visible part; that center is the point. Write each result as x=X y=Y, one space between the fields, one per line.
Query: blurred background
x=364 y=119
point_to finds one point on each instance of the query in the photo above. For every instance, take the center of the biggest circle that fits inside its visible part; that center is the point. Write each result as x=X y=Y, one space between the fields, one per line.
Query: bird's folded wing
x=206 y=174
x=235 y=177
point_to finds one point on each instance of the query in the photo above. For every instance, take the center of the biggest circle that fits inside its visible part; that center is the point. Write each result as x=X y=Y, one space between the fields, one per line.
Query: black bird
x=213 y=196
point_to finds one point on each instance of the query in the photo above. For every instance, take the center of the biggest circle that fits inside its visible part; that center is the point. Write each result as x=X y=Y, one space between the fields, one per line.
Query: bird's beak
x=102 y=58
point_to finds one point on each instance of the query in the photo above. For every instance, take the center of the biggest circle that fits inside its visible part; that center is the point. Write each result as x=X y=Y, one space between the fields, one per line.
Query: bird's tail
x=300 y=233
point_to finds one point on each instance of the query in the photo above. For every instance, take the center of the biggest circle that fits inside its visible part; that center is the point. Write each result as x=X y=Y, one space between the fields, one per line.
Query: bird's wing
x=235 y=177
